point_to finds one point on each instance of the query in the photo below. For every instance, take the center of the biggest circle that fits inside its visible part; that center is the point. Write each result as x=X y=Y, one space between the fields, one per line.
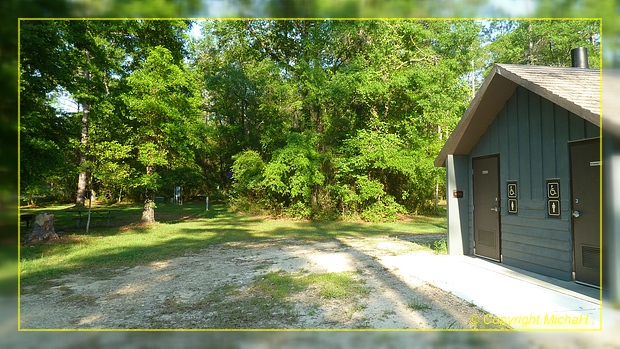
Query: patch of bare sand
x=215 y=288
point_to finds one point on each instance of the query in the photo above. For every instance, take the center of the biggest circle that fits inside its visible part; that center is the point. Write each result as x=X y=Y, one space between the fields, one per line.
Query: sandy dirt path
x=217 y=288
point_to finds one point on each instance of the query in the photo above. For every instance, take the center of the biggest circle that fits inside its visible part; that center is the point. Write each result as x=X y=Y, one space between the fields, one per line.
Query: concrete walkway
x=518 y=298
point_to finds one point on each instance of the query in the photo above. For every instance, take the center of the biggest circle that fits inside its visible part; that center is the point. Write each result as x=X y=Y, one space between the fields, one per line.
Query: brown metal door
x=486 y=207
x=585 y=205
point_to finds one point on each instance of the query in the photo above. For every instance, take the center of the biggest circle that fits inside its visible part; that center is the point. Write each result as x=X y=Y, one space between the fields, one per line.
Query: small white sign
x=553 y=190
x=512 y=190
x=512 y=206
x=554 y=208
x=595 y=163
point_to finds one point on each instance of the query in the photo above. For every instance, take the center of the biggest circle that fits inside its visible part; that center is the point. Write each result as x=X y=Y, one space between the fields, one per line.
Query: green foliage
x=248 y=174
x=163 y=112
x=345 y=114
x=293 y=171
x=290 y=177
x=299 y=210
x=440 y=246
x=315 y=118
x=55 y=57
x=114 y=176
x=543 y=42
x=189 y=176
x=384 y=210
x=395 y=179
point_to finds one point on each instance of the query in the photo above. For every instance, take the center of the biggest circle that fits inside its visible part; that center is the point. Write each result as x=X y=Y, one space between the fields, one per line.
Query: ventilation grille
x=486 y=237
x=590 y=257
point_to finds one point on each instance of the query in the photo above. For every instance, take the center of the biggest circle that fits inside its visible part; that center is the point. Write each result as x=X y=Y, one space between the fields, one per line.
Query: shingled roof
x=576 y=90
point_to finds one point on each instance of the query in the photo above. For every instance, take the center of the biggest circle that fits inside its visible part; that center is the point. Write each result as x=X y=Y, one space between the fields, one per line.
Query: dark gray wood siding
x=531 y=136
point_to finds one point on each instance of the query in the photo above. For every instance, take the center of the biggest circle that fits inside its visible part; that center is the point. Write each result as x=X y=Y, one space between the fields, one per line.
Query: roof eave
x=489 y=100
x=589 y=115
x=495 y=91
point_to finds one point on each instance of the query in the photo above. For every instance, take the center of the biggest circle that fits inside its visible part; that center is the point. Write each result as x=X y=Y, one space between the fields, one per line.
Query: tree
x=321 y=118
x=542 y=42
x=162 y=104
x=86 y=62
x=46 y=142
x=311 y=88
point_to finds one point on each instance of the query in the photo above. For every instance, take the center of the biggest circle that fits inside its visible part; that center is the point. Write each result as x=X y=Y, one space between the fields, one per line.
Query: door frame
x=499 y=204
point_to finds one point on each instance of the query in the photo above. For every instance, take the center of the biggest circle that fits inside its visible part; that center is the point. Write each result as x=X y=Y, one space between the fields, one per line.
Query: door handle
x=496 y=209
x=576 y=214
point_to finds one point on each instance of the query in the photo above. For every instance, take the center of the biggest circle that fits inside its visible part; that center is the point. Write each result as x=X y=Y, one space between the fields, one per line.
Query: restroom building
x=523 y=172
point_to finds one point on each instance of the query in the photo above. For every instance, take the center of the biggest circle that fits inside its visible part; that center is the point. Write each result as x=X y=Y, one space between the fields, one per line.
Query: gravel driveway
x=227 y=286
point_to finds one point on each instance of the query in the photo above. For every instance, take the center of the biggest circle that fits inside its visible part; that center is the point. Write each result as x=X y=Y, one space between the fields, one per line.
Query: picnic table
x=98 y=213
x=27 y=217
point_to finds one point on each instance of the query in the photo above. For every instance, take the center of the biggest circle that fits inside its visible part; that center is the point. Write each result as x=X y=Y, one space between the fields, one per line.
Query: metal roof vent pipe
x=579 y=57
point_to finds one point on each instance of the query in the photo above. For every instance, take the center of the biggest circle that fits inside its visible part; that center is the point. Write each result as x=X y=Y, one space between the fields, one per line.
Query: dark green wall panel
x=531 y=136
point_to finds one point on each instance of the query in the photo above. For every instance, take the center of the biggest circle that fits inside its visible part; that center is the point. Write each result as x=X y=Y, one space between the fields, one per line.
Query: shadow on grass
x=107 y=261
x=105 y=249
x=110 y=259
x=198 y=229
x=189 y=229
x=126 y=217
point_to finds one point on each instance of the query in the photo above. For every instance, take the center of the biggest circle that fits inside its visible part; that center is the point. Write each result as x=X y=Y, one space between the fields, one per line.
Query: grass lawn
x=180 y=230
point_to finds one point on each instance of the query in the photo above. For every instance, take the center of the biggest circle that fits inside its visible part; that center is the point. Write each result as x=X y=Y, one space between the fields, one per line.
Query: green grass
x=337 y=285
x=274 y=289
x=229 y=307
x=342 y=286
x=278 y=285
x=415 y=305
x=180 y=230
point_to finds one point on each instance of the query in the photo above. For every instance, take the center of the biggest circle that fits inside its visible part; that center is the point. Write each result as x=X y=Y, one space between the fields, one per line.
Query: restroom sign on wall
x=513 y=204
x=554 y=209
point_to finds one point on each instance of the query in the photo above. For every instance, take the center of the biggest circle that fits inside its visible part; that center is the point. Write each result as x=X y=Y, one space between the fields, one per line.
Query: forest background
x=299 y=118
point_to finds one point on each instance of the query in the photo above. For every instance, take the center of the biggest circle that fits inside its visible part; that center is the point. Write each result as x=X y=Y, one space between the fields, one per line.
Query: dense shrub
x=385 y=210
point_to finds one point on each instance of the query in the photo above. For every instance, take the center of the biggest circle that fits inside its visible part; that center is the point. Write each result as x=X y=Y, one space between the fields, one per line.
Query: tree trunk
x=314 y=199
x=437 y=182
x=81 y=191
x=90 y=202
x=43 y=228
x=148 y=213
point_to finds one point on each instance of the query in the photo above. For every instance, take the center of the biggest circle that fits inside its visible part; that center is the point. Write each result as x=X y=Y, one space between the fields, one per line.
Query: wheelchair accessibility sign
x=553 y=190
x=554 y=209
x=512 y=197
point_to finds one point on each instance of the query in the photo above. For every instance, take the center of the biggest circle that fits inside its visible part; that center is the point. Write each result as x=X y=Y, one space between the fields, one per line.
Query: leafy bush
x=283 y=186
x=247 y=172
x=440 y=246
x=294 y=172
x=299 y=210
x=385 y=210
x=381 y=176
